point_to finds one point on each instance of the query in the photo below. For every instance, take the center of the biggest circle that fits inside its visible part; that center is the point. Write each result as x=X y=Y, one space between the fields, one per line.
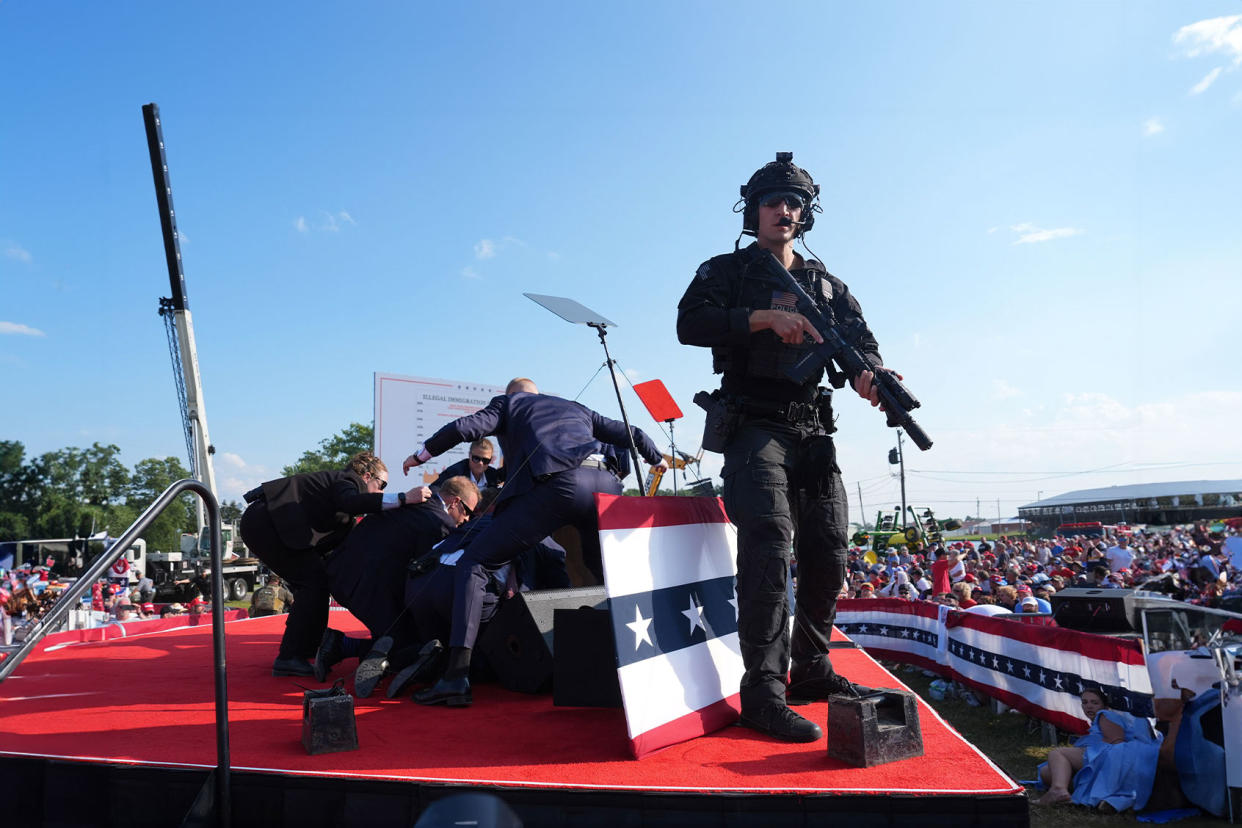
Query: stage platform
x=122 y=733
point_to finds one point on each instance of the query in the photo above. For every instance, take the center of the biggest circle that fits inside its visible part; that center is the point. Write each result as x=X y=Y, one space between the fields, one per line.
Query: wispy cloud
x=1153 y=126
x=468 y=272
x=1216 y=35
x=328 y=223
x=1208 y=79
x=1030 y=234
x=1002 y=390
x=18 y=329
x=333 y=222
x=490 y=248
x=236 y=476
x=15 y=251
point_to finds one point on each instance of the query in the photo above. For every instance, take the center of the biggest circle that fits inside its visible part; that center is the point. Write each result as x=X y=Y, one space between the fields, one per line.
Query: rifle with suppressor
x=896 y=399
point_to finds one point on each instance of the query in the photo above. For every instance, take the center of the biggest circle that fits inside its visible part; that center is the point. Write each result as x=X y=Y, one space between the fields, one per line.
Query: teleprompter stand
x=578 y=314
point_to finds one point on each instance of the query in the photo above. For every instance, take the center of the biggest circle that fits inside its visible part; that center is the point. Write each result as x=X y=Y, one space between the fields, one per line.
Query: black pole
x=163 y=198
x=629 y=432
x=672 y=444
x=223 y=760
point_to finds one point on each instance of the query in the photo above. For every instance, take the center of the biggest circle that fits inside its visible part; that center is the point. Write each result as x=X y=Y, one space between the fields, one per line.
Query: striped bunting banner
x=911 y=632
x=1042 y=670
x=669 y=566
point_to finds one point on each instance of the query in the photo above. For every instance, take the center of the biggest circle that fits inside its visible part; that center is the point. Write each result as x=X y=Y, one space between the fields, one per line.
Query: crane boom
x=176 y=312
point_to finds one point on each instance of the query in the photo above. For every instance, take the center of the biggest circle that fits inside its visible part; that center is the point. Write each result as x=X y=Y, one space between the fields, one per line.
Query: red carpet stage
x=122 y=733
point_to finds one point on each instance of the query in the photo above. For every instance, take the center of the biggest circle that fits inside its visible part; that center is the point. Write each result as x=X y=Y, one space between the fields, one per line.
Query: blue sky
x=1036 y=205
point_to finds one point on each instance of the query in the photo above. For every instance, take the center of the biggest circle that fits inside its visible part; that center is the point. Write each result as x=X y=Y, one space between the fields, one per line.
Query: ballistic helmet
x=781 y=175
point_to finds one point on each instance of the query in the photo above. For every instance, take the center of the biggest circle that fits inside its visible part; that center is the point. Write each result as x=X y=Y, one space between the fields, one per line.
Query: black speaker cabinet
x=1106 y=610
x=518 y=642
x=584 y=660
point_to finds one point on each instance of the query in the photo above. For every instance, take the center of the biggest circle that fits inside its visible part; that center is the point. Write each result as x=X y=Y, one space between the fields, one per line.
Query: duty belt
x=793 y=412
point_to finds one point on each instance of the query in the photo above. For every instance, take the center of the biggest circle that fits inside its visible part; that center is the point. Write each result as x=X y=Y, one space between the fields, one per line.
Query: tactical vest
x=765 y=356
x=265 y=598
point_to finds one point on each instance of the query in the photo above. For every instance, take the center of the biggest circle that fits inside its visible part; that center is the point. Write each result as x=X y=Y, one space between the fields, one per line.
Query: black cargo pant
x=766 y=463
x=303 y=570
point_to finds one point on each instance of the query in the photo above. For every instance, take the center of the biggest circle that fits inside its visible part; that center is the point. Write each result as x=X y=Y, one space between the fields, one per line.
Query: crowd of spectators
x=28 y=592
x=1020 y=575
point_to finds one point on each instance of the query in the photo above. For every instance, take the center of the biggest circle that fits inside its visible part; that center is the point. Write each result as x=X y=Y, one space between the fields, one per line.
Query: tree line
x=78 y=492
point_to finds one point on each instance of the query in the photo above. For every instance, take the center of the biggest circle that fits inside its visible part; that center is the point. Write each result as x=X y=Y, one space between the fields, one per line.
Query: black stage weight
x=879 y=727
x=518 y=643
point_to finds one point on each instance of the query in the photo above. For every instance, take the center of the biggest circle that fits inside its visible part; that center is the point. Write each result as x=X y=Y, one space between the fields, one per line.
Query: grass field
x=1012 y=741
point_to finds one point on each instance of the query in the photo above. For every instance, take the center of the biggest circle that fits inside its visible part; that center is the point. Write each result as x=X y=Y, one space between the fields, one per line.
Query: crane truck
x=172 y=570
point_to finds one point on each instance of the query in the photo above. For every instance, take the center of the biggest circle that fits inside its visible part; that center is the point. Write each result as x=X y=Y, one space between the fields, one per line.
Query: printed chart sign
x=408 y=410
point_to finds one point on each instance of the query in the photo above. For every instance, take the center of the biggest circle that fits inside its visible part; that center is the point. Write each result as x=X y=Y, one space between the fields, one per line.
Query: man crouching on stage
x=551 y=448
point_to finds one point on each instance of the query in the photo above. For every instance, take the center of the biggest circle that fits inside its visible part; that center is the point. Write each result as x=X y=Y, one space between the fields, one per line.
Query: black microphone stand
x=602 y=330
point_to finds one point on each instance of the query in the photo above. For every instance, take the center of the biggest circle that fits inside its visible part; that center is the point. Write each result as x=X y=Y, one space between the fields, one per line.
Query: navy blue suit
x=368 y=570
x=492 y=477
x=545 y=440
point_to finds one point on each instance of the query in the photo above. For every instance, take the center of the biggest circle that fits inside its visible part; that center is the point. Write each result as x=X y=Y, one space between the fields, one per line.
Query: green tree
x=20 y=491
x=149 y=480
x=334 y=452
x=94 y=476
x=230 y=511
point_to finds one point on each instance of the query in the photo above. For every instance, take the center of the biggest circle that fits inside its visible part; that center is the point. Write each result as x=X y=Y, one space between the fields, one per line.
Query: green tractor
x=891 y=531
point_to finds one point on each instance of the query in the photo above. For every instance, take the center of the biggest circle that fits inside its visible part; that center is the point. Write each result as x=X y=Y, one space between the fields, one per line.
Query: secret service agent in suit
x=292 y=522
x=429 y=593
x=367 y=574
x=478 y=467
x=554 y=471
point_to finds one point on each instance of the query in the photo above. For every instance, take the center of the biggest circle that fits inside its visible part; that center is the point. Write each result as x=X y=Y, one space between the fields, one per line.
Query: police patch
x=783 y=300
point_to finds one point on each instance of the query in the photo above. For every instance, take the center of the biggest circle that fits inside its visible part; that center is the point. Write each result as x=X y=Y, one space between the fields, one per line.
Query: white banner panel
x=408 y=410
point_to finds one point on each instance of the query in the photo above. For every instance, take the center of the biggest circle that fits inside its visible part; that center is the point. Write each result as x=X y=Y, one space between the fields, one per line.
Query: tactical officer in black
x=782 y=486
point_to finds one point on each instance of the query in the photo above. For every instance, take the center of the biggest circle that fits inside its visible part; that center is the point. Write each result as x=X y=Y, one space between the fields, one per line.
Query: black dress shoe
x=292 y=667
x=780 y=722
x=449 y=692
x=807 y=690
x=331 y=651
x=430 y=659
x=371 y=668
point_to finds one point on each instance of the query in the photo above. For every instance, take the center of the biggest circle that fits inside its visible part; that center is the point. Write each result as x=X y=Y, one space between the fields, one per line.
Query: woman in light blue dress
x=1112 y=767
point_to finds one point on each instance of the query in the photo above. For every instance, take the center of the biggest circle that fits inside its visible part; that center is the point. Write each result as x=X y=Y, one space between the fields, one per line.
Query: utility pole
x=896 y=458
x=861 y=508
x=902 y=458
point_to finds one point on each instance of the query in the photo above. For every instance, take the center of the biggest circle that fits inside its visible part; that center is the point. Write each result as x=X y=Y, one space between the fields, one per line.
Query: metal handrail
x=73 y=594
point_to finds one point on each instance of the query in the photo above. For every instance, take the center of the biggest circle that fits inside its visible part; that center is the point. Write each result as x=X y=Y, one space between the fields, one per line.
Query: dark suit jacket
x=461 y=468
x=368 y=571
x=317 y=509
x=540 y=435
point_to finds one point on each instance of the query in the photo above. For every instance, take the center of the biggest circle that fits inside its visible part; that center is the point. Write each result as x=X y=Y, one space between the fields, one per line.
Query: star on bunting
x=641 y=627
x=695 y=615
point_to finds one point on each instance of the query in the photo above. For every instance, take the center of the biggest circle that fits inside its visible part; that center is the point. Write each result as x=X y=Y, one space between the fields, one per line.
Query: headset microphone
x=786 y=221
